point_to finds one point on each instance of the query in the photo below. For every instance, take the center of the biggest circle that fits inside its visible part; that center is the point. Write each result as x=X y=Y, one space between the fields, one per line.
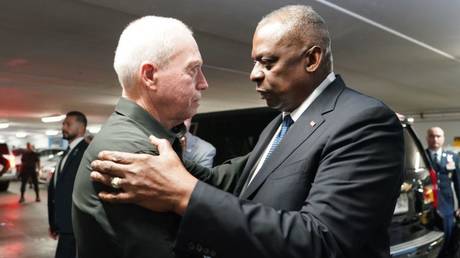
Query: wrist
x=185 y=194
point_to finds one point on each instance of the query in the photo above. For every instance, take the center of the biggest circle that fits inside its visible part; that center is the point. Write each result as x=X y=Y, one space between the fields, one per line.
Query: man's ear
x=313 y=58
x=149 y=75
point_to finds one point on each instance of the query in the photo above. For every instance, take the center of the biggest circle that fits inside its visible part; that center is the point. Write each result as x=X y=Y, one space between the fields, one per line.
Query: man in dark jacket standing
x=30 y=162
x=61 y=185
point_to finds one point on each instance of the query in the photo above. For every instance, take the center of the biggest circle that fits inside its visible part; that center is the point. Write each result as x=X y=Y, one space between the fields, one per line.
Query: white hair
x=150 y=38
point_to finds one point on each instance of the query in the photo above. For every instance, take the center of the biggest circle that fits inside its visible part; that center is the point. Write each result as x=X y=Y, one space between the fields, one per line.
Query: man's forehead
x=435 y=132
x=272 y=36
x=187 y=49
x=272 y=28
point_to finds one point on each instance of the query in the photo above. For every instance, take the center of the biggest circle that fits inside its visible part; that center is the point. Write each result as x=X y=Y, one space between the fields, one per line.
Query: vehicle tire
x=4 y=186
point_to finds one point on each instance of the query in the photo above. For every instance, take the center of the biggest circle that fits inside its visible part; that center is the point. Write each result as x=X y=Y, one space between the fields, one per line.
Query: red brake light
x=12 y=160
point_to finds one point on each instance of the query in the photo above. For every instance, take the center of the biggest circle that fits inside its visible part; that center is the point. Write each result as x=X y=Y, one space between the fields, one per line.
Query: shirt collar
x=140 y=116
x=75 y=142
x=307 y=102
x=132 y=110
x=438 y=152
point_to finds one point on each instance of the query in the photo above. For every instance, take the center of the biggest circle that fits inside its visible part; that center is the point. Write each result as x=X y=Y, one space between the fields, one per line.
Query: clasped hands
x=159 y=183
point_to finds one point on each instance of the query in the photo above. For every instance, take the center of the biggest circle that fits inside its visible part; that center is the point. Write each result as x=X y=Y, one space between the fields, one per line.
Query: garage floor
x=24 y=227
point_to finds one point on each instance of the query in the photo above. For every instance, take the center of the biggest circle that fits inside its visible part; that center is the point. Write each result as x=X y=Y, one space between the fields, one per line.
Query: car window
x=414 y=159
x=4 y=149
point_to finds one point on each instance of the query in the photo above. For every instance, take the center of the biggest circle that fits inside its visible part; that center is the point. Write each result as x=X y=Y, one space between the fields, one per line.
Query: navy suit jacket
x=199 y=151
x=60 y=196
x=328 y=190
x=446 y=176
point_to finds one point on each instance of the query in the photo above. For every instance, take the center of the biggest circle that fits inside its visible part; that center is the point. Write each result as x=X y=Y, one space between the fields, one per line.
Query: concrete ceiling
x=56 y=55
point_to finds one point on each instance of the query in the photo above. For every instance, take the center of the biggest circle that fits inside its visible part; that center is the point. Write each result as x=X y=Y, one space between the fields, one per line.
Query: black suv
x=413 y=232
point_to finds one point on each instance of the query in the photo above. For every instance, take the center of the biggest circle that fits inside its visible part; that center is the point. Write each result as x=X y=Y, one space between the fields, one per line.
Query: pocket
x=288 y=170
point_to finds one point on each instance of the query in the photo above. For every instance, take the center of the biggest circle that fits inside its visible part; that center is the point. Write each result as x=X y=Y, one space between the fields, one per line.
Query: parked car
x=413 y=231
x=17 y=158
x=11 y=173
x=49 y=159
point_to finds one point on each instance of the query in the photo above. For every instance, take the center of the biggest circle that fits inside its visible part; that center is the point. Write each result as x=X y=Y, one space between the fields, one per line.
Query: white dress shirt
x=295 y=116
x=64 y=159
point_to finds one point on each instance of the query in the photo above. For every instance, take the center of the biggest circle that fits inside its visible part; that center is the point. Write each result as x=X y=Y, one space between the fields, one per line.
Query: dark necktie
x=287 y=122
x=58 y=173
x=62 y=159
x=436 y=160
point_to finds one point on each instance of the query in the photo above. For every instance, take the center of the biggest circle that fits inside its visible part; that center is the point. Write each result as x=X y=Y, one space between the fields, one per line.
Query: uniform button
x=199 y=248
x=206 y=251
x=191 y=246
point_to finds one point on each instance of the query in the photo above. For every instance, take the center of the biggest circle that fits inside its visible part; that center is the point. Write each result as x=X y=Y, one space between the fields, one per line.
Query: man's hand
x=457 y=213
x=53 y=234
x=160 y=183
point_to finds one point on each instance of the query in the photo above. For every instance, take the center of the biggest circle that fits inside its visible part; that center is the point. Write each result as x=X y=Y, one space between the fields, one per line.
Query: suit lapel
x=258 y=150
x=443 y=161
x=300 y=131
x=70 y=158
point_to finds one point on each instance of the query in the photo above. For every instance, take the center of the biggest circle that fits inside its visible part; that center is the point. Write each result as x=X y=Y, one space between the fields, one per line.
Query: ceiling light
x=94 y=129
x=21 y=134
x=4 y=125
x=51 y=132
x=52 y=119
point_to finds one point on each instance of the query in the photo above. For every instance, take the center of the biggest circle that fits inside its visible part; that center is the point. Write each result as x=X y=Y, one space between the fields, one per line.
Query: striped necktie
x=287 y=122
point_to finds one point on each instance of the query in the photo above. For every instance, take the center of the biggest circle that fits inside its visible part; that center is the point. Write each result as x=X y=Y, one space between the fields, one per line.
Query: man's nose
x=202 y=83
x=256 y=73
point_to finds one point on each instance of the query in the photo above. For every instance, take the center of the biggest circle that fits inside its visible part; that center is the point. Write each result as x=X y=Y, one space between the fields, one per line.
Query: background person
x=197 y=149
x=30 y=163
x=446 y=164
x=61 y=185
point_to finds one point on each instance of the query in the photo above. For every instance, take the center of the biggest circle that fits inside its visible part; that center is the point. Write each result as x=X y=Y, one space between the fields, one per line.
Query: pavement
x=24 y=227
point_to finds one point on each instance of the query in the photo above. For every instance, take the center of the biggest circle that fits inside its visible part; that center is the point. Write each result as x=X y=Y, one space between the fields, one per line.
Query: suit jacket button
x=191 y=246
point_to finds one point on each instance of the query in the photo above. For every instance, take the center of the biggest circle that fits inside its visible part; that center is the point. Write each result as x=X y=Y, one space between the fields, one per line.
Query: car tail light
x=12 y=160
x=430 y=192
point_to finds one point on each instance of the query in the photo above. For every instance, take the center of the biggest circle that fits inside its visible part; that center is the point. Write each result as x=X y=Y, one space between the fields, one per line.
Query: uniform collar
x=132 y=110
x=75 y=142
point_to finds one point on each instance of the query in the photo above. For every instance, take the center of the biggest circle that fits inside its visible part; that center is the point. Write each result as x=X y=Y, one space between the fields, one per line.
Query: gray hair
x=150 y=38
x=305 y=25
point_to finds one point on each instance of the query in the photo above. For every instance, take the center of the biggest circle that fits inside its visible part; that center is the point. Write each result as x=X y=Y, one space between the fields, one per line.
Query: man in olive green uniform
x=159 y=68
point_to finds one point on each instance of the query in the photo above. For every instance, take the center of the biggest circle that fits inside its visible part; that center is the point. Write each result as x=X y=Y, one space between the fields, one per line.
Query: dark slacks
x=25 y=175
x=66 y=246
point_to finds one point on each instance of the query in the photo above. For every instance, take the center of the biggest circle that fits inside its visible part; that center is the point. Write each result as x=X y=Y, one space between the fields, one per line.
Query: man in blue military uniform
x=446 y=164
